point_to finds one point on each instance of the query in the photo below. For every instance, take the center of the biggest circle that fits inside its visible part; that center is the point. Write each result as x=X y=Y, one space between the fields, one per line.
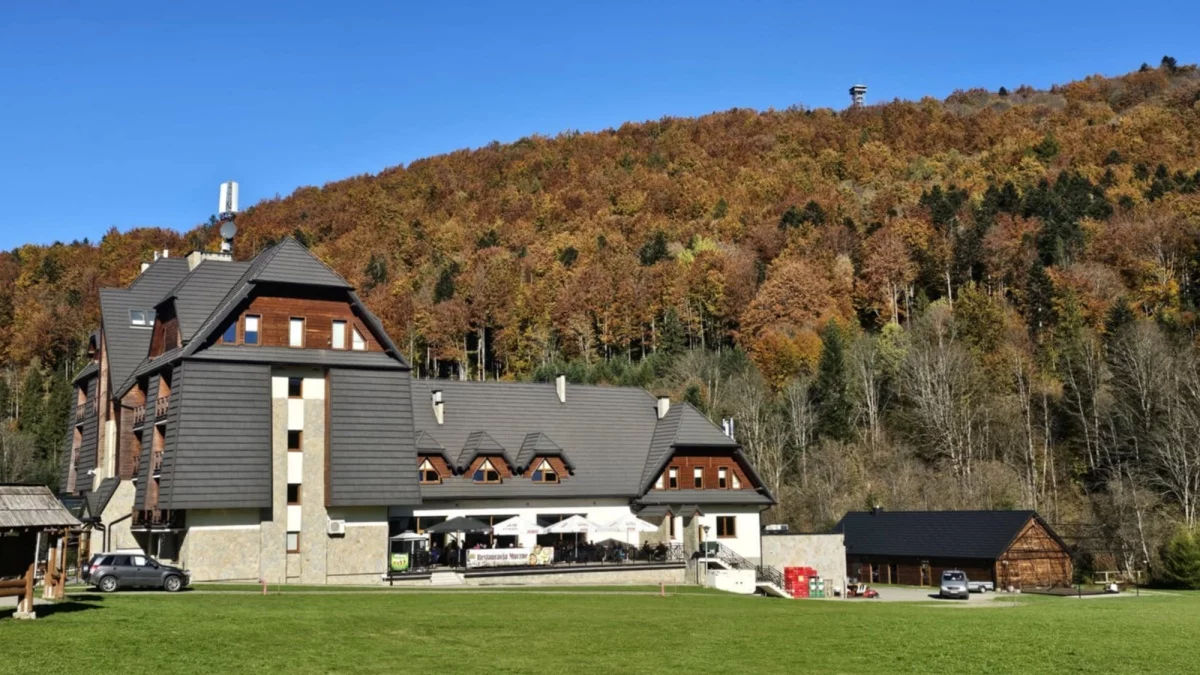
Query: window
x=737 y=482
x=293 y=542
x=293 y=440
x=726 y=526
x=671 y=526
x=358 y=344
x=658 y=483
x=486 y=473
x=230 y=336
x=295 y=387
x=250 y=334
x=338 y=340
x=545 y=473
x=673 y=478
x=429 y=474
x=296 y=332
x=722 y=477
x=141 y=318
x=698 y=477
x=293 y=493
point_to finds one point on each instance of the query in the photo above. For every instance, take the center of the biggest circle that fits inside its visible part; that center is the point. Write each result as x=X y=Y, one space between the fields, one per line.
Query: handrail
x=156 y=460
x=82 y=409
x=139 y=414
x=160 y=406
x=769 y=575
x=729 y=557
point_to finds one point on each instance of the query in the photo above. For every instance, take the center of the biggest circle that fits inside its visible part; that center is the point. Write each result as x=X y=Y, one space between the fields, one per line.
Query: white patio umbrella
x=575 y=525
x=630 y=523
x=517 y=526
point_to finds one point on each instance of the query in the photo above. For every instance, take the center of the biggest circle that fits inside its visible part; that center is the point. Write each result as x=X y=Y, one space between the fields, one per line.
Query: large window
x=429 y=474
x=357 y=341
x=250 y=334
x=726 y=526
x=673 y=478
x=338 y=336
x=698 y=478
x=296 y=332
x=486 y=473
x=545 y=473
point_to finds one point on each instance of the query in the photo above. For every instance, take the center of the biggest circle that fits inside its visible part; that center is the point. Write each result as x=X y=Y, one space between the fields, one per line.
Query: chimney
x=145 y=266
x=560 y=387
x=438 y=406
x=664 y=404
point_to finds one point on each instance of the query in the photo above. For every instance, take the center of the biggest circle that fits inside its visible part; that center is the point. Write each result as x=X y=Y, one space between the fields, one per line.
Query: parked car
x=981 y=586
x=110 y=571
x=954 y=584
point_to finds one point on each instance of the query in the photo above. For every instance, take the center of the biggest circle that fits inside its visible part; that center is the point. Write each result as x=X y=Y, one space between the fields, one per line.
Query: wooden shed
x=27 y=514
x=1010 y=548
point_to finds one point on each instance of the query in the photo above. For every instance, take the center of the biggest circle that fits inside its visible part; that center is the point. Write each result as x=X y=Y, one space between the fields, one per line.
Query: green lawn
x=594 y=632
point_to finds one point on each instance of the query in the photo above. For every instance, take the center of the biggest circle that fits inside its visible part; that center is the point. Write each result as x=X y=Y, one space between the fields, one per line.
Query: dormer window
x=230 y=336
x=141 y=318
x=545 y=473
x=673 y=478
x=698 y=478
x=357 y=343
x=250 y=333
x=722 y=478
x=737 y=482
x=486 y=473
x=429 y=474
x=658 y=483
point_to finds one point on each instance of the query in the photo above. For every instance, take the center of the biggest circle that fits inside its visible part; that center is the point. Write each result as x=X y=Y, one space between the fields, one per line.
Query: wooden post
x=51 y=568
x=60 y=583
x=27 y=598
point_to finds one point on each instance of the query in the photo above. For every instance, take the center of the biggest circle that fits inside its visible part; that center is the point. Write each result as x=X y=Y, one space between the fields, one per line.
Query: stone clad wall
x=222 y=545
x=824 y=552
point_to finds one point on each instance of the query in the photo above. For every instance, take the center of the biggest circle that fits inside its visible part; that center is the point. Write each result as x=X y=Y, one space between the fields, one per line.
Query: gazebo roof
x=32 y=507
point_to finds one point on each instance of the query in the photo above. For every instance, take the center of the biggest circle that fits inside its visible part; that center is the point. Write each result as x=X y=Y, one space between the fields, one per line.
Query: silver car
x=954 y=585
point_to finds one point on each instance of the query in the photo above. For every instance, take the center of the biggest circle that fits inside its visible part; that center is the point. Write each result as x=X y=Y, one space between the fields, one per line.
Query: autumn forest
x=988 y=301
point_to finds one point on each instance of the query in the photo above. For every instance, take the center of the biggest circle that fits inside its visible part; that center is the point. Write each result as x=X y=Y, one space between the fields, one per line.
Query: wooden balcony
x=160 y=407
x=156 y=460
x=158 y=519
x=82 y=410
x=139 y=415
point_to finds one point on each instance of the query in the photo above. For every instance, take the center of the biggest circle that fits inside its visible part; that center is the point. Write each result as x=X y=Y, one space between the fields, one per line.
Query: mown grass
x=597 y=632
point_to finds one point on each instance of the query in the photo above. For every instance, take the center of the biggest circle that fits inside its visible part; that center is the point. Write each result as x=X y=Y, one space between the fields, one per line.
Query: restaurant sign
x=399 y=562
x=509 y=557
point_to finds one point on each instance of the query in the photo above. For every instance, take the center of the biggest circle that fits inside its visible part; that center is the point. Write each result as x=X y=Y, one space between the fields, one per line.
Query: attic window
x=230 y=335
x=673 y=478
x=250 y=334
x=429 y=474
x=142 y=318
x=338 y=335
x=737 y=482
x=698 y=477
x=357 y=343
x=486 y=473
x=545 y=473
x=722 y=477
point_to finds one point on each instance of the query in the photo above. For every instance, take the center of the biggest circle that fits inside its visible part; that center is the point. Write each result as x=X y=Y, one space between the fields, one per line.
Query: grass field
x=590 y=631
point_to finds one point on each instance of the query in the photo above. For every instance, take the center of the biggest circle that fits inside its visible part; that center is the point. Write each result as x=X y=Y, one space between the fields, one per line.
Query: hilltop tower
x=858 y=94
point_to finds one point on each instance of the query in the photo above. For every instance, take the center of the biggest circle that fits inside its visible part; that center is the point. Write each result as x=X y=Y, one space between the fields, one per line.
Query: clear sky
x=131 y=114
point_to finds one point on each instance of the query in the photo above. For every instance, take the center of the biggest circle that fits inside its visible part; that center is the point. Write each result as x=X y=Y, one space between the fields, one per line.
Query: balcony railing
x=156 y=459
x=158 y=518
x=139 y=414
x=160 y=406
x=137 y=464
x=82 y=410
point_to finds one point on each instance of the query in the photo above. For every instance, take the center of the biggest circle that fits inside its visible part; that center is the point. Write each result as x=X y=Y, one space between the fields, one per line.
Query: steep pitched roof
x=935 y=534
x=290 y=263
x=32 y=506
x=98 y=499
x=538 y=444
x=606 y=431
x=126 y=344
x=426 y=444
x=682 y=426
x=198 y=294
x=479 y=443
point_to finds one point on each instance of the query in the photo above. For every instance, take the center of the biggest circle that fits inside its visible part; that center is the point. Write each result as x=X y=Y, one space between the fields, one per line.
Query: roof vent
x=664 y=404
x=560 y=387
x=438 y=407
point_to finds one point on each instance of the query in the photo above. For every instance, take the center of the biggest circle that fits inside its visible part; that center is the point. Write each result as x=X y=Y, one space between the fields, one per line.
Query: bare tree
x=801 y=418
x=18 y=456
x=759 y=429
x=868 y=381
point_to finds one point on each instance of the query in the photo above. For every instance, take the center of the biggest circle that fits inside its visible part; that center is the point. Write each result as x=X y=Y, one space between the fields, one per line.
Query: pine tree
x=1181 y=560
x=832 y=388
x=671 y=335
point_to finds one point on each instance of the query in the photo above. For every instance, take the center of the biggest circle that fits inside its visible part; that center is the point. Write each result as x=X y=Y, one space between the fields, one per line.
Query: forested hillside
x=983 y=302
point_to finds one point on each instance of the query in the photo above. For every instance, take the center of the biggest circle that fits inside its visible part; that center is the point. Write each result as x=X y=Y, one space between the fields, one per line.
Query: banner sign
x=399 y=562
x=509 y=557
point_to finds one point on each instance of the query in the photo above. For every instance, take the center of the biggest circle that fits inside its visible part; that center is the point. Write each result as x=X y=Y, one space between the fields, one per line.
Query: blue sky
x=131 y=114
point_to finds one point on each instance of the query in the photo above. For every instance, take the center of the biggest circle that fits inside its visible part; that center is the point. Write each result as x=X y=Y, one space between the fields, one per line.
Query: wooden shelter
x=29 y=514
x=1009 y=548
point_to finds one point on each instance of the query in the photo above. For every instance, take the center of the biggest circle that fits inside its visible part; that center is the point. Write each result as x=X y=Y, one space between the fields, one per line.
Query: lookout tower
x=858 y=94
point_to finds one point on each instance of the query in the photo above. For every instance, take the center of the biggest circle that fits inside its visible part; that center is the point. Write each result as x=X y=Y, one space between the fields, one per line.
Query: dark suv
x=110 y=571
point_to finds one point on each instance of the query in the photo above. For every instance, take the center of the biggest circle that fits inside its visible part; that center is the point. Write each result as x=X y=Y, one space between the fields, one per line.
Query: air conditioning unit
x=336 y=527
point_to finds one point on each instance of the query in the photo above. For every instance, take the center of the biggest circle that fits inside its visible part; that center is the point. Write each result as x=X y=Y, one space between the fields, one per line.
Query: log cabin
x=1009 y=548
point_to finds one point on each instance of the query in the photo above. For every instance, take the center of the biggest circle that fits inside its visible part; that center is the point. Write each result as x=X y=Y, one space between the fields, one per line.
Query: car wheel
x=108 y=584
x=172 y=584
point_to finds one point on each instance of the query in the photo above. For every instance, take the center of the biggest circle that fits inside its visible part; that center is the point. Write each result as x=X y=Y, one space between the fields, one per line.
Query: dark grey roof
x=340 y=358
x=605 y=430
x=198 y=294
x=682 y=426
x=289 y=262
x=128 y=345
x=99 y=499
x=87 y=371
x=934 y=534
x=372 y=457
x=217 y=452
x=538 y=444
x=148 y=366
x=677 y=497
x=428 y=445
x=655 y=511
x=478 y=444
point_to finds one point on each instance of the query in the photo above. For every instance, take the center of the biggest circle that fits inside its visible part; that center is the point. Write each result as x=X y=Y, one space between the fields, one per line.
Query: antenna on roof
x=228 y=201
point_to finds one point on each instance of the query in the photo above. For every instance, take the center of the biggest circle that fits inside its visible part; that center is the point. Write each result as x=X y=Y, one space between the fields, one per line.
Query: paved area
x=913 y=594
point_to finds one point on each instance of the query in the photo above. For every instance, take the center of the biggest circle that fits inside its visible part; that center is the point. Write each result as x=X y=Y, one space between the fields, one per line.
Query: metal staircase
x=766 y=578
